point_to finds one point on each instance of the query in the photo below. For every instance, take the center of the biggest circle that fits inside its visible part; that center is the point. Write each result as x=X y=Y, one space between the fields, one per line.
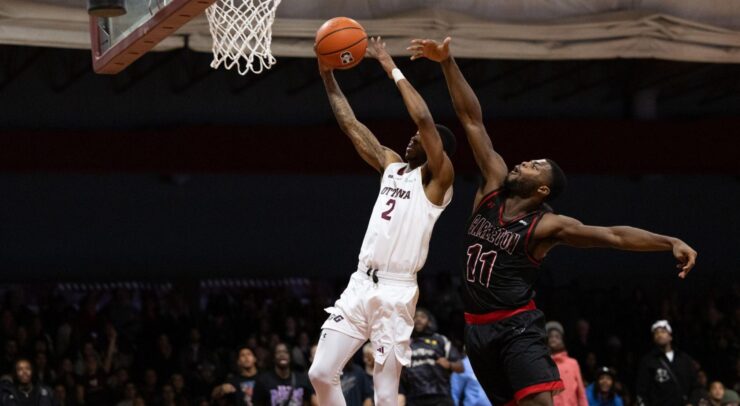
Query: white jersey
x=397 y=237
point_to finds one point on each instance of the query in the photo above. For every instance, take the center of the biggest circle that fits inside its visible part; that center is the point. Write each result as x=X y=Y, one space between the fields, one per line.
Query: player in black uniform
x=510 y=232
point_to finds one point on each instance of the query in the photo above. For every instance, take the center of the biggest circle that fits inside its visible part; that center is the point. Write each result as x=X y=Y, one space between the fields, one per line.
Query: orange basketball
x=341 y=43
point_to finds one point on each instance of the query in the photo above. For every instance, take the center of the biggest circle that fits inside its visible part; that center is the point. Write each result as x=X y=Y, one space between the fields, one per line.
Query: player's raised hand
x=686 y=257
x=323 y=68
x=430 y=49
x=376 y=49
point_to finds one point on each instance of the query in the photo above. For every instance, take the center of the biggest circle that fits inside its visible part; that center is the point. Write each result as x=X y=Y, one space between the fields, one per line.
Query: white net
x=242 y=33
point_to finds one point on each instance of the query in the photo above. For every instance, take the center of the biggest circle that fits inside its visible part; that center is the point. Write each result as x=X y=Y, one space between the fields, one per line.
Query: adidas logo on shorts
x=381 y=350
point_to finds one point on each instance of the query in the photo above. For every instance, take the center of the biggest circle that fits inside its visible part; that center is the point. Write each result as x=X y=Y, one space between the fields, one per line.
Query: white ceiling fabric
x=687 y=30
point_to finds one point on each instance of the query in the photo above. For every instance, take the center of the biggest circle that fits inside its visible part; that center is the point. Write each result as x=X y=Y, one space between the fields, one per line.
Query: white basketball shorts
x=382 y=312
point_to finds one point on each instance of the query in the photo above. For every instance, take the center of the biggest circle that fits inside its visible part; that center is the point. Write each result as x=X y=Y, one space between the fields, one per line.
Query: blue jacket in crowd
x=593 y=400
x=466 y=391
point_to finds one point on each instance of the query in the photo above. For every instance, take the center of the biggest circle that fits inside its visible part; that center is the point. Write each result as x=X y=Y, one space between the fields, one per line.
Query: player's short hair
x=449 y=143
x=558 y=181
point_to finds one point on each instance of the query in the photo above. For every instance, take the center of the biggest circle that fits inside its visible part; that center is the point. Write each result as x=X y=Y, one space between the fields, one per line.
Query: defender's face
x=414 y=151
x=535 y=170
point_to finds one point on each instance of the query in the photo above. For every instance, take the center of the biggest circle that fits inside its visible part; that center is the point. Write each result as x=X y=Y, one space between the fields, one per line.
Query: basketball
x=341 y=43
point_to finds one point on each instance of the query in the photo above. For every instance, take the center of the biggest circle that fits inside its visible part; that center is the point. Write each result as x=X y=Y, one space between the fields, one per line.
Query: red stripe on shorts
x=497 y=315
x=555 y=386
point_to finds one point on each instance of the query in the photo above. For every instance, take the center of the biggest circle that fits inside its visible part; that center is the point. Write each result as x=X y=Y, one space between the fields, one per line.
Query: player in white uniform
x=380 y=300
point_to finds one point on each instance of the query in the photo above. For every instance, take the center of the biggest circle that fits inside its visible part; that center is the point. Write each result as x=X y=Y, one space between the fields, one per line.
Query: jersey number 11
x=480 y=264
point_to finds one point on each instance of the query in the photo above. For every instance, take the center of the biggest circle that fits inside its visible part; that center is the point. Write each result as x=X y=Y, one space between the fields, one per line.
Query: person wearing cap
x=666 y=376
x=601 y=392
x=426 y=381
x=570 y=373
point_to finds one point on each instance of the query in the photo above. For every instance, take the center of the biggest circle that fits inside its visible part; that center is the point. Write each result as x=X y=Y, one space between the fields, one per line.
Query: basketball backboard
x=119 y=41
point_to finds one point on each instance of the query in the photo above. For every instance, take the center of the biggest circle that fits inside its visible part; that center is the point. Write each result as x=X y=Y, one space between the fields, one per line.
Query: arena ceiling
x=684 y=30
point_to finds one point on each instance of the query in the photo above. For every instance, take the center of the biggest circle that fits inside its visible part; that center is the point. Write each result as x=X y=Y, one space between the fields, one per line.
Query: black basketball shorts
x=510 y=357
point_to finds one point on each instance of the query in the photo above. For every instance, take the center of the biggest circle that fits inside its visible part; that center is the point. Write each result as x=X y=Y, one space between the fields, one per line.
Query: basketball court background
x=174 y=169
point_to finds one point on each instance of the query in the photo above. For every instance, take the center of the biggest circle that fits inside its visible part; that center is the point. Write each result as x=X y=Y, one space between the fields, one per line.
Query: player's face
x=414 y=151
x=246 y=358
x=662 y=337
x=282 y=356
x=525 y=178
x=23 y=371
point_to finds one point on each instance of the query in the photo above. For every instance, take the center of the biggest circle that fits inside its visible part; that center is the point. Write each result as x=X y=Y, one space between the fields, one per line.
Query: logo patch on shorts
x=381 y=350
x=336 y=317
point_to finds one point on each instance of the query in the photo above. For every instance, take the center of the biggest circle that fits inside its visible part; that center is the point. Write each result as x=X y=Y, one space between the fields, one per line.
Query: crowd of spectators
x=205 y=344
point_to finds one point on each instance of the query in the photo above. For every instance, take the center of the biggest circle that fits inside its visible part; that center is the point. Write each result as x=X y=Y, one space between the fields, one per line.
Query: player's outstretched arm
x=438 y=163
x=569 y=231
x=467 y=107
x=365 y=142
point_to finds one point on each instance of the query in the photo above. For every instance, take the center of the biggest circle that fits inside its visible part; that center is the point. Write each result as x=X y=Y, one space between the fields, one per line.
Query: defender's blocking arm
x=365 y=142
x=468 y=109
x=437 y=161
x=557 y=229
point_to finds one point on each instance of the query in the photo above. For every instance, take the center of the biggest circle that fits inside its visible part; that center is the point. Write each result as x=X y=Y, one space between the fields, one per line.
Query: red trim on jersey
x=497 y=315
x=526 y=241
x=555 y=386
x=486 y=198
x=503 y=223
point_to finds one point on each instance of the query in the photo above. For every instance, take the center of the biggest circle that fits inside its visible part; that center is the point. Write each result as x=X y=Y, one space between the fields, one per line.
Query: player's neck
x=414 y=164
x=666 y=349
x=517 y=205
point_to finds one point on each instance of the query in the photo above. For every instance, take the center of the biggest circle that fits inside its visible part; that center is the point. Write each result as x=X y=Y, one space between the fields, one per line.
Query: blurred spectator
x=666 y=376
x=281 y=385
x=240 y=388
x=426 y=381
x=22 y=391
x=124 y=326
x=570 y=373
x=150 y=390
x=356 y=386
x=178 y=385
x=701 y=392
x=466 y=390
x=602 y=391
x=129 y=395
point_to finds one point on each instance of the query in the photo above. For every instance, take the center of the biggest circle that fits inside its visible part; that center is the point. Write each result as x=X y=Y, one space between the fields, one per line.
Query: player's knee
x=386 y=398
x=321 y=376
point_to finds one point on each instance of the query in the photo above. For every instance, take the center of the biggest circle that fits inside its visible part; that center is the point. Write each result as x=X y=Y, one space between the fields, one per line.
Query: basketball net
x=242 y=33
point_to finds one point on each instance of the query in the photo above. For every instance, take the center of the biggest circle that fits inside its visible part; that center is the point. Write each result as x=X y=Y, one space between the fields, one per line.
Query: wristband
x=397 y=75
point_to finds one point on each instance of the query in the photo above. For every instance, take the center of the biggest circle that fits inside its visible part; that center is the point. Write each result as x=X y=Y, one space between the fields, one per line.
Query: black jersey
x=499 y=271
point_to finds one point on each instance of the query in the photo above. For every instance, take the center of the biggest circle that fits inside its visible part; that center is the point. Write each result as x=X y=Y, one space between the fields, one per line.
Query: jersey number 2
x=485 y=260
x=386 y=215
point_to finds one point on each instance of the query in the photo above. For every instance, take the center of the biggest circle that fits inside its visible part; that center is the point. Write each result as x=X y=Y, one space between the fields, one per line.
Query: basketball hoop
x=242 y=34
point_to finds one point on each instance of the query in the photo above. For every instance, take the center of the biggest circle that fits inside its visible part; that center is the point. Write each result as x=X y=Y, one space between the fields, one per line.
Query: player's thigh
x=487 y=363
x=537 y=399
x=526 y=358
